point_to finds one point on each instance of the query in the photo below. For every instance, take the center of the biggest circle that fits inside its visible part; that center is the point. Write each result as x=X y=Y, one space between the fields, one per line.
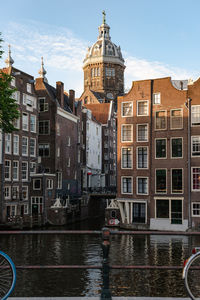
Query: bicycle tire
x=7 y=276
x=191 y=275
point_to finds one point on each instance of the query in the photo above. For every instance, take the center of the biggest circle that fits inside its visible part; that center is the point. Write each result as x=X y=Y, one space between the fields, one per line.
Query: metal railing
x=105 y=266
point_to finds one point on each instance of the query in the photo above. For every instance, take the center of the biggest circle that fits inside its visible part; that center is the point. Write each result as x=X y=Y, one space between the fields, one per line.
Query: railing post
x=105 y=292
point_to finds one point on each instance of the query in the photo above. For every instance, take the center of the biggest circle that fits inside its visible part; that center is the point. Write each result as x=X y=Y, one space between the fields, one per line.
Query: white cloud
x=64 y=53
x=139 y=69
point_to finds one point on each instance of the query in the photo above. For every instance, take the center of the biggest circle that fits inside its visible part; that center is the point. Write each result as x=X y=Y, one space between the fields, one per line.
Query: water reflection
x=86 y=250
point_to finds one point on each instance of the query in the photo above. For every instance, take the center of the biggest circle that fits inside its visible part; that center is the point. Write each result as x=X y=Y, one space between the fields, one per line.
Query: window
x=195 y=144
x=15 y=192
x=195 y=209
x=37 y=184
x=139 y=212
x=32 y=167
x=68 y=141
x=24 y=192
x=176 y=120
x=7 y=170
x=58 y=152
x=127 y=157
x=161 y=120
x=195 y=115
x=156 y=98
x=161 y=181
x=16 y=96
x=32 y=147
x=25 y=209
x=8 y=143
x=24 y=171
x=142 y=185
x=25 y=121
x=16 y=123
x=162 y=208
x=127 y=183
x=44 y=127
x=127 y=109
x=196 y=179
x=43 y=106
x=44 y=150
x=28 y=87
x=11 y=210
x=13 y=82
x=127 y=133
x=176 y=211
x=177 y=181
x=161 y=149
x=59 y=180
x=68 y=162
x=36 y=205
x=49 y=184
x=142 y=132
x=176 y=147
x=142 y=108
x=7 y=192
x=33 y=123
x=58 y=129
x=15 y=170
x=142 y=158
x=15 y=144
x=24 y=146
x=110 y=72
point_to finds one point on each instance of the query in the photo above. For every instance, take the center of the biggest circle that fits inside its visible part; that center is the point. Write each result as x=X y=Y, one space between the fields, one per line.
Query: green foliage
x=8 y=107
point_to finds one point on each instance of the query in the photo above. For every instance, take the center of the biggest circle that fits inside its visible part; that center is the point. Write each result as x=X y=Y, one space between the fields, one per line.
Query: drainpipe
x=189 y=163
x=2 y=177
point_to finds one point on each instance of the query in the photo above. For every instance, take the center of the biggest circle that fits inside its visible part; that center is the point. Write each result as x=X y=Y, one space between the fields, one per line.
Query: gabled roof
x=100 y=111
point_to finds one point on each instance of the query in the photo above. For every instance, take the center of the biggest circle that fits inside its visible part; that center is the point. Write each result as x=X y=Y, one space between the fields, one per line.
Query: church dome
x=104 y=50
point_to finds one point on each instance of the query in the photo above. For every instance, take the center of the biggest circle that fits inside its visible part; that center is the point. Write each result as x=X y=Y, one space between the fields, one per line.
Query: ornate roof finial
x=104 y=17
x=9 y=61
x=42 y=72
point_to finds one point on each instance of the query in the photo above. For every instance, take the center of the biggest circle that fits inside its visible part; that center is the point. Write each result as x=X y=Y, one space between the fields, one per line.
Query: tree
x=8 y=107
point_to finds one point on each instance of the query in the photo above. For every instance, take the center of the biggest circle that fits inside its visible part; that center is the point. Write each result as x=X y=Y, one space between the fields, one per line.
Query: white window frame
x=33 y=129
x=25 y=179
x=46 y=105
x=43 y=121
x=182 y=181
x=23 y=146
x=165 y=151
x=49 y=184
x=25 y=126
x=169 y=199
x=17 y=192
x=175 y=138
x=15 y=144
x=161 y=193
x=59 y=180
x=131 y=109
x=137 y=187
x=123 y=168
x=137 y=161
x=26 y=209
x=192 y=117
x=29 y=88
x=160 y=129
x=16 y=96
x=7 y=192
x=156 y=96
x=13 y=81
x=142 y=115
x=9 y=178
x=192 y=137
x=34 y=181
x=31 y=147
x=197 y=209
x=8 y=143
x=194 y=190
x=11 y=210
x=17 y=168
x=31 y=167
x=145 y=140
x=125 y=125
x=123 y=193
x=25 y=187
x=171 y=117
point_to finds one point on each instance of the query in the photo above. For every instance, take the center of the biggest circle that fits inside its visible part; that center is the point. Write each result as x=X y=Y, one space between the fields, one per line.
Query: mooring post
x=105 y=292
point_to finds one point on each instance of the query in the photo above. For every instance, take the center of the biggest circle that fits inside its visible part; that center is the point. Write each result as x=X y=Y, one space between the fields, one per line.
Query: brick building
x=19 y=150
x=158 y=153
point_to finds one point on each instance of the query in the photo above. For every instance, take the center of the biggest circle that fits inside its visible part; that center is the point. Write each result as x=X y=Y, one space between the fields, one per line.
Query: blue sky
x=158 y=38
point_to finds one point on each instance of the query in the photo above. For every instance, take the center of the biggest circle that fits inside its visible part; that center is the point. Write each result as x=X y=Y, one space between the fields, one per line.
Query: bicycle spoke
x=193 y=276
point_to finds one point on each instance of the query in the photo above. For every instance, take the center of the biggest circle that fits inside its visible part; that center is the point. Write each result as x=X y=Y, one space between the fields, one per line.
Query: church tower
x=103 y=69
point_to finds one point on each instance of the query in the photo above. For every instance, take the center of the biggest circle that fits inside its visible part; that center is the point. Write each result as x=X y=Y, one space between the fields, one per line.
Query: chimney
x=60 y=93
x=71 y=100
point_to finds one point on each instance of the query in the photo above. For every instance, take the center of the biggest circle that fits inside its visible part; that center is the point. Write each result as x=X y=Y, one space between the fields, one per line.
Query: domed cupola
x=104 y=65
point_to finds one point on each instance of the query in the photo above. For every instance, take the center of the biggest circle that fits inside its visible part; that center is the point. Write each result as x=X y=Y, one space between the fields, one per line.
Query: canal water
x=41 y=249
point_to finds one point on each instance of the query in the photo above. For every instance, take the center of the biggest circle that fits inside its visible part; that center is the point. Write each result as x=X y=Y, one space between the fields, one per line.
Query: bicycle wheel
x=192 y=276
x=7 y=276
